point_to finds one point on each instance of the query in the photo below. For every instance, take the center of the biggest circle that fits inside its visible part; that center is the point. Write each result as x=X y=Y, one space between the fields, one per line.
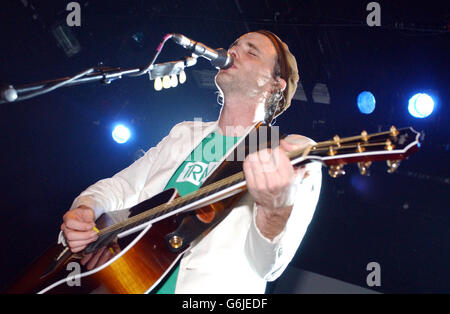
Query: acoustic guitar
x=148 y=239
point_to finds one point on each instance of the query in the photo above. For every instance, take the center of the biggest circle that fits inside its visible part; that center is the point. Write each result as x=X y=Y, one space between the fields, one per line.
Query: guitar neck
x=391 y=145
x=204 y=196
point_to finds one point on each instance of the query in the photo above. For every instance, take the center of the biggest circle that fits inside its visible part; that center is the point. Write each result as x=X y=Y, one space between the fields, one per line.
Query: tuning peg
x=363 y=167
x=364 y=136
x=331 y=151
x=393 y=131
x=336 y=171
x=337 y=140
x=389 y=145
x=360 y=148
x=393 y=165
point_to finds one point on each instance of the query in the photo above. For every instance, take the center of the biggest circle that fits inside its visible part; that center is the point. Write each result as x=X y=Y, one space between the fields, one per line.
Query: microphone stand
x=105 y=75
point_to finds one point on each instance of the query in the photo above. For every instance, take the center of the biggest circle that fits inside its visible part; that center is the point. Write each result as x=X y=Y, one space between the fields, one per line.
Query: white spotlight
x=121 y=134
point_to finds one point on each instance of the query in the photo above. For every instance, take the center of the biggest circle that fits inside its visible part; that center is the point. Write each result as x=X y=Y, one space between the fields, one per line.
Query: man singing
x=260 y=236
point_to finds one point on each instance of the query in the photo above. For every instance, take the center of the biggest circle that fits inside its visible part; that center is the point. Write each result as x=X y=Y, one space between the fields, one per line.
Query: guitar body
x=141 y=262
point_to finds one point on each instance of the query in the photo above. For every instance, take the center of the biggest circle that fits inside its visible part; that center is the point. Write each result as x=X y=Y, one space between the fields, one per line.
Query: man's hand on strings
x=78 y=228
x=272 y=182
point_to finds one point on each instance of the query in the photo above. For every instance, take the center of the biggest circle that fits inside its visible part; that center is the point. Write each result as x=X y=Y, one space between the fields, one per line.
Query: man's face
x=252 y=72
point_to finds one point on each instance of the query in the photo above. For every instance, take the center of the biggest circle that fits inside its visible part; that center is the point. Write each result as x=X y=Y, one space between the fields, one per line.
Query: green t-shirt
x=192 y=173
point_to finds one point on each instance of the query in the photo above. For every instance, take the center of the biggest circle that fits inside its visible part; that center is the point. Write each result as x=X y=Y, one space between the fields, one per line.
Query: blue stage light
x=121 y=134
x=366 y=102
x=420 y=105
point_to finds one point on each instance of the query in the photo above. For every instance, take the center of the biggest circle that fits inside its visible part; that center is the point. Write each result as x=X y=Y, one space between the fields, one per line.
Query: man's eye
x=252 y=53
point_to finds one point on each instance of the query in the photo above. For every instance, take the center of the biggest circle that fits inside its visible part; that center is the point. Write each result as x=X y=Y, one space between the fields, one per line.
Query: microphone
x=219 y=57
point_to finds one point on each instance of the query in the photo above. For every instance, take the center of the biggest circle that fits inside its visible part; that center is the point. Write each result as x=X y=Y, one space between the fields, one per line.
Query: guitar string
x=236 y=178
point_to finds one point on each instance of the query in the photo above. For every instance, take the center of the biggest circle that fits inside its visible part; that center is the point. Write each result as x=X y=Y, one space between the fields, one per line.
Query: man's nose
x=233 y=52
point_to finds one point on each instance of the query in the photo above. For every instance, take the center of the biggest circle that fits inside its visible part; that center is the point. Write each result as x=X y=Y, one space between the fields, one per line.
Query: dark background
x=55 y=145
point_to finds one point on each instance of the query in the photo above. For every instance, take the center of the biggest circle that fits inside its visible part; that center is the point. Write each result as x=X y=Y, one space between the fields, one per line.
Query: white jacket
x=234 y=257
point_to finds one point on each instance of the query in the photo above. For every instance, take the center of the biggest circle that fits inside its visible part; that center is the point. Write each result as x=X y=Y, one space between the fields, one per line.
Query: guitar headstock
x=391 y=146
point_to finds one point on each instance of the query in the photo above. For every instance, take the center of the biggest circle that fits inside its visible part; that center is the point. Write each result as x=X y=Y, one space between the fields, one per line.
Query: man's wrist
x=89 y=203
x=271 y=221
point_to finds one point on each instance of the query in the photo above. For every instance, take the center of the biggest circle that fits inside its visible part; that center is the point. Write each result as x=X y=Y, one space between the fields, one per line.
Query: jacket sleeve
x=270 y=258
x=122 y=190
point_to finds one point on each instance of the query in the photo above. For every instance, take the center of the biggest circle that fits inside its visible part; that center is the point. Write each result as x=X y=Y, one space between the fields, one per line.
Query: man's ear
x=281 y=84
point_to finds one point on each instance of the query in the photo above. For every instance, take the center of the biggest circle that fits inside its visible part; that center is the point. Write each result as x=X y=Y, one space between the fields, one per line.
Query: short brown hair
x=285 y=67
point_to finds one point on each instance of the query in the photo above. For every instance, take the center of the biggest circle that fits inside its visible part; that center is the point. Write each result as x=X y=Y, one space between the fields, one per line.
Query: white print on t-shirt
x=196 y=172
